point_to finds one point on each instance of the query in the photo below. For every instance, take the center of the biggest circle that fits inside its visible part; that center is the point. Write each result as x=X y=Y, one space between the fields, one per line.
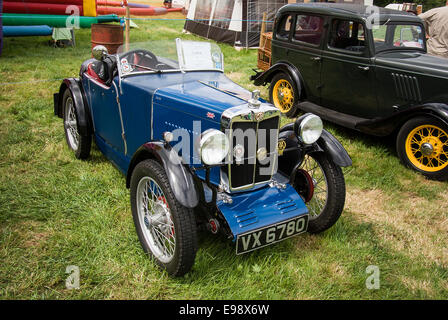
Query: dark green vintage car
x=364 y=68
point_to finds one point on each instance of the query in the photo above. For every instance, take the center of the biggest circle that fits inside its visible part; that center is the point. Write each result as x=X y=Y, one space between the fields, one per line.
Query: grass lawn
x=57 y=211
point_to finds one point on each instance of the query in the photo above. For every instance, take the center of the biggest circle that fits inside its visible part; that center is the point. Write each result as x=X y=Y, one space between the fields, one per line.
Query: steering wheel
x=141 y=57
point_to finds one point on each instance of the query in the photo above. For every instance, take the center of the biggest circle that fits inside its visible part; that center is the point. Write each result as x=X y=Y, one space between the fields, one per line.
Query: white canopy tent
x=179 y=3
x=236 y=22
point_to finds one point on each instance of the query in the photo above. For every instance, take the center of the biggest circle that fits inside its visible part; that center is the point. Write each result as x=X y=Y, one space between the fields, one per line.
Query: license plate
x=271 y=234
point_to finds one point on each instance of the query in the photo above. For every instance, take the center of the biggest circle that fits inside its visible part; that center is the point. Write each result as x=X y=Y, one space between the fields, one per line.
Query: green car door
x=301 y=46
x=347 y=72
x=306 y=51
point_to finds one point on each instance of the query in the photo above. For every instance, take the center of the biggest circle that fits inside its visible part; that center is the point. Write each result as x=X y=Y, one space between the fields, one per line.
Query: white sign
x=194 y=55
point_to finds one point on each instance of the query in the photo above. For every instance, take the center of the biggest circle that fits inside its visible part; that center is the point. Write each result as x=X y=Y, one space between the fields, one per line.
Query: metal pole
x=128 y=26
x=124 y=3
x=263 y=29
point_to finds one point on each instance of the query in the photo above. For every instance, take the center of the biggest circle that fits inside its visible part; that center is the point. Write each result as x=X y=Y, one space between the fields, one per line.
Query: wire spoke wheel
x=427 y=148
x=283 y=95
x=422 y=145
x=166 y=229
x=155 y=219
x=321 y=184
x=79 y=143
x=70 y=123
x=320 y=196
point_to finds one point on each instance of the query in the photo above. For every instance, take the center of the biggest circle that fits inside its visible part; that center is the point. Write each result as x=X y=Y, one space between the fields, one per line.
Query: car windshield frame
x=184 y=50
x=389 y=36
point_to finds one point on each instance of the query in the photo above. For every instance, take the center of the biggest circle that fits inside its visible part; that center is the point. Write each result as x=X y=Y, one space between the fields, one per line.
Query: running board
x=339 y=118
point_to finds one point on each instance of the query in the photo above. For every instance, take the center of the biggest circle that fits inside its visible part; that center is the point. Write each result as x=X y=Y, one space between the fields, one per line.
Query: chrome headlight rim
x=204 y=142
x=306 y=124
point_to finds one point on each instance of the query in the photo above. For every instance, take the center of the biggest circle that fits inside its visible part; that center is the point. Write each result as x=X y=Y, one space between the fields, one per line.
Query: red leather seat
x=93 y=74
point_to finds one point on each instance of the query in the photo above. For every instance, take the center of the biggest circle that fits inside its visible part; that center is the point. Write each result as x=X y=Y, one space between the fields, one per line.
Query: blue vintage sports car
x=198 y=150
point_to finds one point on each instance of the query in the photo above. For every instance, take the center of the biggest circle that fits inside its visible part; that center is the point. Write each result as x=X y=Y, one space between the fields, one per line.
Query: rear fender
x=438 y=110
x=180 y=178
x=85 y=126
x=389 y=125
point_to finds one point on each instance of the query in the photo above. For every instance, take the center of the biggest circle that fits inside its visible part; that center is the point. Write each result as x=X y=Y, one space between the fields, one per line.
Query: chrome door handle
x=363 y=68
x=317 y=59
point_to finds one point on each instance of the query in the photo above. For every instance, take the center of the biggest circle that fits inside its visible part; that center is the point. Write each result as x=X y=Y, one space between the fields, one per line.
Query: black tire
x=415 y=139
x=183 y=228
x=79 y=144
x=288 y=107
x=328 y=199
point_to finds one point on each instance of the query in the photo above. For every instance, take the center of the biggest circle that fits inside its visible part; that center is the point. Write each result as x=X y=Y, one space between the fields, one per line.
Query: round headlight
x=310 y=128
x=213 y=147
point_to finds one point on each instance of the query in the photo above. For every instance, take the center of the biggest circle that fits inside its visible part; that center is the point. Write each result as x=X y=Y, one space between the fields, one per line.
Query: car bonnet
x=202 y=97
x=414 y=61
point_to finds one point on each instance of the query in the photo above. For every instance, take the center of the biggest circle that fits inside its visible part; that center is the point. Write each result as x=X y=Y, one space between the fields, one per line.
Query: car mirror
x=99 y=52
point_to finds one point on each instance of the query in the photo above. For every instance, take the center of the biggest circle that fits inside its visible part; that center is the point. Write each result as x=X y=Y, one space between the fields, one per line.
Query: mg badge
x=281 y=147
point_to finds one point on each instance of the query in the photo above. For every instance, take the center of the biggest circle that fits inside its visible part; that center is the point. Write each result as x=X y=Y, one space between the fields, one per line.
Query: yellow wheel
x=283 y=94
x=424 y=146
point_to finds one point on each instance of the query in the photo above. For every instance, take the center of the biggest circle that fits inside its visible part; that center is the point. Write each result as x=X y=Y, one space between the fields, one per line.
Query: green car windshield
x=398 y=36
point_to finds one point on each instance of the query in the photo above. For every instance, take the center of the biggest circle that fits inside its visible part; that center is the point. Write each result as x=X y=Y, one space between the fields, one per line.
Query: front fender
x=262 y=78
x=85 y=126
x=292 y=156
x=180 y=178
x=331 y=146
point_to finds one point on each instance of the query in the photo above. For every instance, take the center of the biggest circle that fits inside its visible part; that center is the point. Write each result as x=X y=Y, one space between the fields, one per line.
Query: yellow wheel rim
x=427 y=148
x=283 y=95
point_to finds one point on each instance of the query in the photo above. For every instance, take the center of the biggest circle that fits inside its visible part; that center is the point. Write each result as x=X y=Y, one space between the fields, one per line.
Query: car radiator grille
x=250 y=171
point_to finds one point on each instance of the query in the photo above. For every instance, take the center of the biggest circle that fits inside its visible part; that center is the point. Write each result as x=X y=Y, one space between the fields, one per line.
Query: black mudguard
x=180 y=178
x=85 y=126
x=262 y=78
x=331 y=146
x=439 y=110
x=387 y=126
x=292 y=156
